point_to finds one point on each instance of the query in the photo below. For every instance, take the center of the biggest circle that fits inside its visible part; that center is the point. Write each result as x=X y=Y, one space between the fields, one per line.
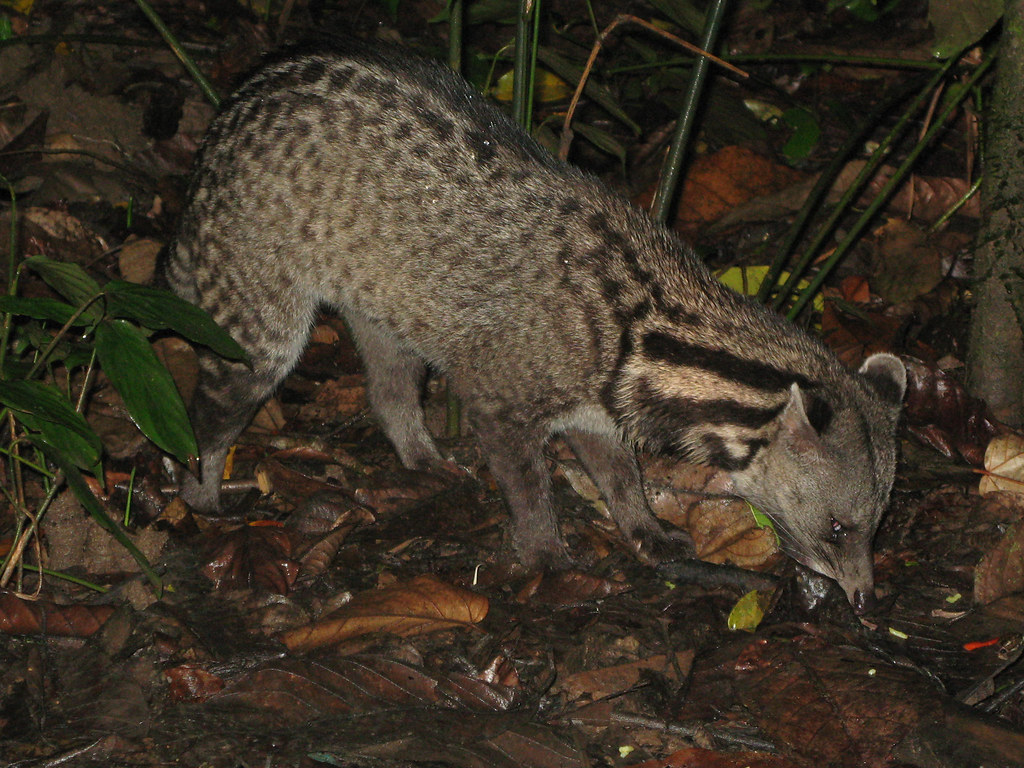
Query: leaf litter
x=357 y=613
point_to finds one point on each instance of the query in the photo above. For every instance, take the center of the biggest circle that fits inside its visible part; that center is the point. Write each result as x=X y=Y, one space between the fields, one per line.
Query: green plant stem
x=67 y=577
x=824 y=183
x=19 y=458
x=860 y=61
x=183 y=56
x=12 y=274
x=971 y=192
x=883 y=196
x=666 y=193
x=455 y=22
x=522 y=96
x=56 y=339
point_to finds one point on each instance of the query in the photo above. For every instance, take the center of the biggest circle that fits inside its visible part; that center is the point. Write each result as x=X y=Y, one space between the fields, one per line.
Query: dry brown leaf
x=716 y=184
x=1004 y=465
x=137 y=260
x=608 y=681
x=911 y=261
x=424 y=604
x=568 y=588
x=721 y=526
x=1001 y=570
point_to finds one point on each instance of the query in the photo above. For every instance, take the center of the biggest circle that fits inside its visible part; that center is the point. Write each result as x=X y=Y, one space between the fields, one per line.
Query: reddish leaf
x=189 y=682
x=253 y=556
x=38 y=617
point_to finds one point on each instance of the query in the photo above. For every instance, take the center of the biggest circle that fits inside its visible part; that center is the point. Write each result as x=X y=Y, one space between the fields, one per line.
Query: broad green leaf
x=958 y=23
x=92 y=505
x=159 y=309
x=84 y=452
x=145 y=385
x=39 y=308
x=69 y=280
x=43 y=409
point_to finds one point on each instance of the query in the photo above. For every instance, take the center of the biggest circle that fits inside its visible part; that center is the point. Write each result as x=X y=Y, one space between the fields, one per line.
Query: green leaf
x=748 y=612
x=603 y=140
x=40 y=309
x=69 y=280
x=43 y=409
x=147 y=388
x=958 y=23
x=159 y=309
x=82 y=451
x=806 y=132
x=92 y=505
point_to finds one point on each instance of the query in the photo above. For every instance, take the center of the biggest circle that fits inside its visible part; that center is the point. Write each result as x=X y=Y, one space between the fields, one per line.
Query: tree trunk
x=995 y=356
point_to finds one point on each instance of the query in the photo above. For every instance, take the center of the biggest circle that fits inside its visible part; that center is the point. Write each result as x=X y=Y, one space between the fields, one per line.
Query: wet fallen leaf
x=941 y=414
x=424 y=604
x=252 y=556
x=190 y=682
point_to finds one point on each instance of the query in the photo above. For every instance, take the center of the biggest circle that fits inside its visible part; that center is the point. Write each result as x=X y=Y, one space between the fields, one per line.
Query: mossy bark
x=996 y=344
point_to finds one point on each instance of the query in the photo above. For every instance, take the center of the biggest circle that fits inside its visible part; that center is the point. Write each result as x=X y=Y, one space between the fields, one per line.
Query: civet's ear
x=887 y=376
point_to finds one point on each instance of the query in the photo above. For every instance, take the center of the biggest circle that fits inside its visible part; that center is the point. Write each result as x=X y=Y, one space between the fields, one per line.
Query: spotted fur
x=373 y=182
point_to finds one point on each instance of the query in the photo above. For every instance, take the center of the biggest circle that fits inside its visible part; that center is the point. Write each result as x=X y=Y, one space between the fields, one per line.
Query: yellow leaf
x=748 y=612
x=547 y=87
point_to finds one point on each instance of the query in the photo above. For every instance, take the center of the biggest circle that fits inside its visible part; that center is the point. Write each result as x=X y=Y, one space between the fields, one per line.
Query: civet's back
x=377 y=183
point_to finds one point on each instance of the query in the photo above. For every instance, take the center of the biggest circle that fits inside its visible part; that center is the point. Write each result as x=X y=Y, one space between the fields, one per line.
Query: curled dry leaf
x=424 y=604
x=722 y=526
x=318 y=557
x=1004 y=465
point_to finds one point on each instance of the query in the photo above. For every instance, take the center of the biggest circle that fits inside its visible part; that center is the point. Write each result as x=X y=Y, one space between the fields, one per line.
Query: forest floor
x=346 y=611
